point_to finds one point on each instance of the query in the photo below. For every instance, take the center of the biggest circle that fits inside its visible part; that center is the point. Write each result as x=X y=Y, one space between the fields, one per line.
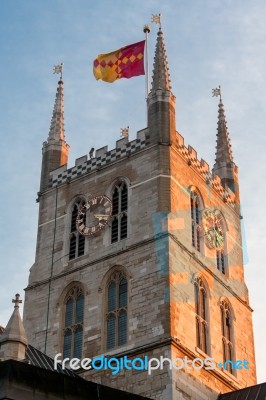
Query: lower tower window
x=73 y=326
x=227 y=338
x=116 y=316
x=201 y=316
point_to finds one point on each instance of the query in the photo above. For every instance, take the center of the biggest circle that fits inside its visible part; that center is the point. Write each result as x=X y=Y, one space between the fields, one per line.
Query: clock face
x=94 y=215
x=212 y=226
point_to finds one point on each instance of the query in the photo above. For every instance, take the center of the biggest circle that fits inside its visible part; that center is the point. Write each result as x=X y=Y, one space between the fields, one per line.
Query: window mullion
x=119 y=200
x=119 y=226
x=119 y=212
x=77 y=244
x=74 y=309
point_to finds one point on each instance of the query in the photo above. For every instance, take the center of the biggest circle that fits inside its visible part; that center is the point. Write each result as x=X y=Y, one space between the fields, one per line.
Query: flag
x=123 y=63
x=124 y=132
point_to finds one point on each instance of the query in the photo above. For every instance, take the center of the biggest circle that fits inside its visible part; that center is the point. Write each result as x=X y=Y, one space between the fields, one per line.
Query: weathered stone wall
x=160 y=263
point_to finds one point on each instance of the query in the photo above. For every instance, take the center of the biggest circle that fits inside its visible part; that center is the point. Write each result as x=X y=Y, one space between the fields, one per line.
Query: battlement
x=102 y=157
x=202 y=167
x=124 y=148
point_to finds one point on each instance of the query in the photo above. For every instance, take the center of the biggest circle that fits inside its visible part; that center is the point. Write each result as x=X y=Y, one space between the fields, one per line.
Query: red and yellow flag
x=123 y=63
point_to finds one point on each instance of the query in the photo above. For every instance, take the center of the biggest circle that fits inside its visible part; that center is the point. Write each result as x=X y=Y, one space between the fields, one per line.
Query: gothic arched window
x=116 y=313
x=120 y=205
x=195 y=219
x=221 y=259
x=73 y=323
x=76 y=241
x=201 y=315
x=227 y=335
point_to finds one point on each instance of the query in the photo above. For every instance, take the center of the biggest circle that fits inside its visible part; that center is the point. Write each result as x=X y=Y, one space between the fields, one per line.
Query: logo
x=145 y=364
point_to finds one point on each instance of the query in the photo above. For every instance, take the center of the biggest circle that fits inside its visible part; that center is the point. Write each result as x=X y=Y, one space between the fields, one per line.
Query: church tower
x=139 y=253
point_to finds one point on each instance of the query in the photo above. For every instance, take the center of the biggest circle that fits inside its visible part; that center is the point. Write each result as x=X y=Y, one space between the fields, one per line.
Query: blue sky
x=208 y=43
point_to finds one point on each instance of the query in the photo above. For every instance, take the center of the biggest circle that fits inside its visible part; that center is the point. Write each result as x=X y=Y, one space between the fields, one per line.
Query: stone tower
x=163 y=276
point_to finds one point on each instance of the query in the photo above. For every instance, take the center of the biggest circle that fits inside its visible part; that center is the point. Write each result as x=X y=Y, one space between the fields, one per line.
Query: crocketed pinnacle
x=161 y=78
x=223 y=147
x=14 y=331
x=57 y=128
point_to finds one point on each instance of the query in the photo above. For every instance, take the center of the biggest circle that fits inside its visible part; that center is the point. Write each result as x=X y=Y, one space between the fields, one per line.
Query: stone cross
x=17 y=301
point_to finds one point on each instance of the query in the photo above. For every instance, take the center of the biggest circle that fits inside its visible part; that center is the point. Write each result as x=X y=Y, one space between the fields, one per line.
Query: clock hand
x=100 y=216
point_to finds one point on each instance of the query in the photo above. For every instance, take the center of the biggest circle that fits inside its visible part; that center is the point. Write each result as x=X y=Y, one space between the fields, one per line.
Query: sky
x=208 y=43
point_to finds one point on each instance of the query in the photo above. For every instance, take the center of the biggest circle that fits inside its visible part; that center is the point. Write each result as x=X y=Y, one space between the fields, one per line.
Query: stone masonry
x=157 y=256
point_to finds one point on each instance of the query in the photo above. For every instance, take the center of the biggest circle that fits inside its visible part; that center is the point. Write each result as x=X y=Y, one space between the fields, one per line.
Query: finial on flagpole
x=156 y=18
x=146 y=29
x=58 y=69
x=217 y=92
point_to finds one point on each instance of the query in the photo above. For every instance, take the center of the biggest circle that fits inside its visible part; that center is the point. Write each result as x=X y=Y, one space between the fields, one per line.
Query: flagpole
x=146 y=30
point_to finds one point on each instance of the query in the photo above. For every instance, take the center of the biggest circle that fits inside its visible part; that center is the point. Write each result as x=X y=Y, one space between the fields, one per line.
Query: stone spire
x=55 y=149
x=224 y=164
x=223 y=146
x=13 y=340
x=57 y=128
x=161 y=77
x=161 y=101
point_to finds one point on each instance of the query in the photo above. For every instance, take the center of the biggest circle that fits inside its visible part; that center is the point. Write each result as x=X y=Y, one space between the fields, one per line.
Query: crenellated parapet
x=102 y=157
x=202 y=167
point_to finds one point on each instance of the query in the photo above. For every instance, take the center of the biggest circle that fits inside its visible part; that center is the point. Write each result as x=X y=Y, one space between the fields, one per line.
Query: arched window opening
x=116 y=315
x=73 y=323
x=201 y=316
x=195 y=220
x=227 y=336
x=77 y=241
x=220 y=261
x=120 y=206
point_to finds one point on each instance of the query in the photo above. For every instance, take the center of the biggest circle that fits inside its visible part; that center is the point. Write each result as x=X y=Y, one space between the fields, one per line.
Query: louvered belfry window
x=120 y=206
x=116 y=315
x=195 y=219
x=76 y=241
x=220 y=261
x=201 y=316
x=73 y=326
x=227 y=338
